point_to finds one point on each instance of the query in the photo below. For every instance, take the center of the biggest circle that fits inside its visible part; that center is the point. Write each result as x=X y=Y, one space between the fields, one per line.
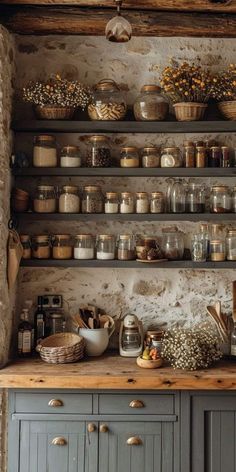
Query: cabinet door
x=137 y=447
x=57 y=446
x=214 y=433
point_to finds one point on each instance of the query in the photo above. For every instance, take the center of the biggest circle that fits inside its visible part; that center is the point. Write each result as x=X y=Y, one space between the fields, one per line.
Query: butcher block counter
x=114 y=372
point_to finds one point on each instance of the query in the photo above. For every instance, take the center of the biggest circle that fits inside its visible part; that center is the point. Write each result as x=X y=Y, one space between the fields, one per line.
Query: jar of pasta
x=127 y=203
x=150 y=105
x=69 y=201
x=45 y=151
x=45 y=199
x=108 y=102
x=62 y=246
x=41 y=246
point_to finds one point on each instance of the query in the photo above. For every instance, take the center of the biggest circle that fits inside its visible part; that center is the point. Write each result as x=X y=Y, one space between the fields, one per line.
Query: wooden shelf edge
x=115 y=264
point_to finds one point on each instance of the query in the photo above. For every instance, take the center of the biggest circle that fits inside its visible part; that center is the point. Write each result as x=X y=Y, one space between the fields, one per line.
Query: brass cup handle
x=103 y=428
x=134 y=441
x=55 y=403
x=136 y=404
x=59 y=441
x=91 y=428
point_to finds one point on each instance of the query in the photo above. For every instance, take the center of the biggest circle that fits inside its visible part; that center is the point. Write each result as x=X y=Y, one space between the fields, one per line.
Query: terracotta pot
x=228 y=109
x=189 y=111
x=53 y=112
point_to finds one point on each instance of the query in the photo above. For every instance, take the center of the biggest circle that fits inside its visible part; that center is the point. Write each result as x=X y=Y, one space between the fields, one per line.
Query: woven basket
x=52 y=112
x=61 y=348
x=189 y=111
x=228 y=109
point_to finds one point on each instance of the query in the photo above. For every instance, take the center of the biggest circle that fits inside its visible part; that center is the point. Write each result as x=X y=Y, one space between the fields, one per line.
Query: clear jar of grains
x=150 y=157
x=106 y=247
x=150 y=105
x=126 y=247
x=157 y=202
x=142 y=202
x=92 y=199
x=127 y=203
x=112 y=202
x=45 y=151
x=84 y=246
x=217 y=250
x=70 y=157
x=69 y=201
x=62 y=246
x=45 y=199
x=231 y=245
x=41 y=246
x=129 y=157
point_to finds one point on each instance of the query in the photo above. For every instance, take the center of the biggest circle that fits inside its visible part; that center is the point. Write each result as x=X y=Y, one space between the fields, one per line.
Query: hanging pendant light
x=118 y=29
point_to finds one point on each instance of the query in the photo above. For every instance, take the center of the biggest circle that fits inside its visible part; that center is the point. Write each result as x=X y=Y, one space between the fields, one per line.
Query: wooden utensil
x=223 y=333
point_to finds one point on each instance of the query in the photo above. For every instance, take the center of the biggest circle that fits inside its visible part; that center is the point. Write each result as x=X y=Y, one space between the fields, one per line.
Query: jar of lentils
x=84 y=246
x=98 y=153
x=157 y=202
x=129 y=157
x=112 y=202
x=45 y=200
x=220 y=199
x=92 y=199
x=151 y=157
x=106 y=247
x=231 y=245
x=126 y=247
x=142 y=202
x=127 y=203
x=69 y=201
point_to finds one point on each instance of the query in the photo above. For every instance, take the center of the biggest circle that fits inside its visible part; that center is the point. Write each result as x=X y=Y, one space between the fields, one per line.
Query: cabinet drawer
x=137 y=404
x=53 y=403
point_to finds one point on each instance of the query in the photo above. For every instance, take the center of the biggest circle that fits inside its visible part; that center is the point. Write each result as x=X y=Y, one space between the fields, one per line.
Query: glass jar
x=155 y=336
x=157 y=202
x=70 y=157
x=84 y=246
x=171 y=157
x=69 y=201
x=62 y=246
x=92 y=199
x=150 y=105
x=177 y=197
x=98 y=153
x=198 y=248
x=126 y=247
x=215 y=156
x=217 y=231
x=217 y=250
x=147 y=248
x=112 y=202
x=234 y=200
x=172 y=244
x=201 y=157
x=108 y=103
x=26 y=244
x=106 y=247
x=189 y=156
x=225 y=157
x=45 y=199
x=41 y=246
x=45 y=151
x=204 y=232
x=220 y=199
x=231 y=245
x=195 y=199
x=142 y=202
x=129 y=157
x=151 y=157
x=56 y=323
x=126 y=202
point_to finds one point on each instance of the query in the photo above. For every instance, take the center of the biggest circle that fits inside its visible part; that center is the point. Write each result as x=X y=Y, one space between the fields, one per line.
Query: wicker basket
x=189 y=111
x=52 y=112
x=228 y=109
x=61 y=348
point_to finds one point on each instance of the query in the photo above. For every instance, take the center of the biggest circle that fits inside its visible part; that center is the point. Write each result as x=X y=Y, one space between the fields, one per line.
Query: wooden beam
x=88 y=21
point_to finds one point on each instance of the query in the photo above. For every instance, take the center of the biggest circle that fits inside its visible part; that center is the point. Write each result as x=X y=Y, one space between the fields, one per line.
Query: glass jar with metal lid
x=106 y=247
x=69 y=201
x=221 y=201
x=126 y=247
x=157 y=202
x=112 y=202
x=62 y=246
x=70 y=157
x=84 y=246
x=26 y=244
x=217 y=250
x=151 y=157
x=92 y=199
x=150 y=105
x=108 y=102
x=45 y=199
x=41 y=246
x=98 y=152
x=142 y=202
x=231 y=245
x=171 y=157
x=127 y=202
x=45 y=151
x=129 y=157
x=172 y=244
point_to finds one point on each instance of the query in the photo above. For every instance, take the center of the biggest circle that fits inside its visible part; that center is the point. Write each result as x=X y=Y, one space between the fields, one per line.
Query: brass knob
x=91 y=428
x=134 y=441
x=59 y=441
x=55 y=403
x=136 y=404
x=103 y=428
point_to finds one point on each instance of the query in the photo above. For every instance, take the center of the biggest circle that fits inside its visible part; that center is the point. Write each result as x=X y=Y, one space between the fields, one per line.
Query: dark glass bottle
x=215 y=156
x=39 y=322
x=25 y=338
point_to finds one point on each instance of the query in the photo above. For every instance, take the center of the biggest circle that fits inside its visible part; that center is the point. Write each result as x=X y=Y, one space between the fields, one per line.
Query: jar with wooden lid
x=129 y=157
x=41 y=246
x=217 y=250
x=108 y=102
x=84 y=246
x=45 y=151
x=69 y=200
x=127 y=202
x=155 y=336
x=171 y=157
x=142 y=202
x=126 y=247
x=201 y=157
x=26 y=244
x=62 y=246
x=106 y=247
x=112 y=202
x=157 y=202
x=215 y=156
x=98 y=152
x=221 y=201
x=231 y=245
x=45 y=200
x=150 y=105
x=92 y=199
x=150 y=157
x=189 y=156
x=70 y=157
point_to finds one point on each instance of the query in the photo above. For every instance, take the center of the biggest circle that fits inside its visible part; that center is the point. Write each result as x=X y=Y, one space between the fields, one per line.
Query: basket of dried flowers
x=224 y=92
x=56 y=98
x=188 y=87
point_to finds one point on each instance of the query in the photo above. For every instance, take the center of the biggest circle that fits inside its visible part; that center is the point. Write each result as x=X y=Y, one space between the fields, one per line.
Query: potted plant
x=56 y=98
x=188 y=87
x=224 y=91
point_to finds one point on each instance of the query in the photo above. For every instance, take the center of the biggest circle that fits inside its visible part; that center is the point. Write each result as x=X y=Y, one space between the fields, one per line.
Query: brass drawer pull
x=103 y=428
x=60 y=441
x=136 y=404
x=55 y=403
x=134 y=441
x=91 y=428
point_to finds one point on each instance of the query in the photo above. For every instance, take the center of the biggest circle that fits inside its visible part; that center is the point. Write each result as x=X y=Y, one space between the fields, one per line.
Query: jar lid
x=216 y=241
x=232 y=231
x=105 y=236
x=62 y=236
x=204 y=226
x=149 y=238
x=188 y=144
x=92 y=188
x=126 y=194
x=106 y=85
x=45 y=138
x=171 y=149
x=129 y=149
x=56 y=315
x=201 y=148
x=151 y=88
x=70 y=149
x=225 y=147
x=125 y=236
x=215 y=148
x=45 y=187
x=156 y=194
x=24 y=238
x=41 y=238
x=199 y=143
x=83 y=236
x=151 y=148
x=157 y=332
x=141 y=194
x=70 y=188
x=220 y=188
x=111 y=194
x=98 y=138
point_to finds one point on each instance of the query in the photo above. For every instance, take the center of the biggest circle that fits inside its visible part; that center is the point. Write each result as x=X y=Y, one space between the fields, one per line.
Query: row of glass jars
x=216 y=246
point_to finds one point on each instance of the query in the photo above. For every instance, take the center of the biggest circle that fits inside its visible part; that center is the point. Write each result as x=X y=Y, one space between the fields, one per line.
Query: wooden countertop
x=114 y=372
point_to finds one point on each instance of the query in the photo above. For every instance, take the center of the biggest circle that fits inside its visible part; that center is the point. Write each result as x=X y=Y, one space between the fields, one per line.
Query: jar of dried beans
x=98 y=153
x=108 y=102
x=92 y=199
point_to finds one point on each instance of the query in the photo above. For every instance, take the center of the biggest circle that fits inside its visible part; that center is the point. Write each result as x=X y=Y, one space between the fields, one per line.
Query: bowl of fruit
x=150 y=358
